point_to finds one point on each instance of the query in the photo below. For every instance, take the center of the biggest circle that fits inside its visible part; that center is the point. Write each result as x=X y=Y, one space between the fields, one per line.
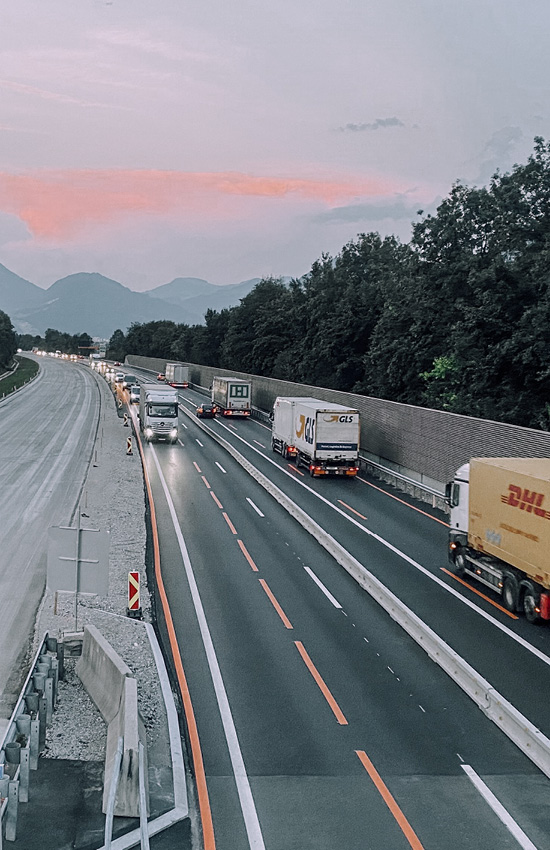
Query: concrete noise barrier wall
x=110 y=684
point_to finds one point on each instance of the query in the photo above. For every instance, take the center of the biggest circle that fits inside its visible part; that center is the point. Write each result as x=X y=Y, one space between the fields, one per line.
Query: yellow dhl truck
x=500 y=529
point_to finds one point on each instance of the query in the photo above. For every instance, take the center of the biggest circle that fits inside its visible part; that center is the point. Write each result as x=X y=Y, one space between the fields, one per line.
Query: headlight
x=174 y=432
x=148 y=432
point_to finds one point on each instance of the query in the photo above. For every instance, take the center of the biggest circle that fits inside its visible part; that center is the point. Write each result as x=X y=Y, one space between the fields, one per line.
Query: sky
x=232 y=139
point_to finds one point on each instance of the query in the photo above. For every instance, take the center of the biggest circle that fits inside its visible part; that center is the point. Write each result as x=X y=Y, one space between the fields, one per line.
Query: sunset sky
x=230 y=139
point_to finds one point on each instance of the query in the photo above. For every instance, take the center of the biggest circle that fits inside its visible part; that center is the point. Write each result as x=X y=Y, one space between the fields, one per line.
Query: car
x=161 y=376
x=119 y=377
x=117 y=363
x=129 y=381
x=134 y=394
x=206 y=411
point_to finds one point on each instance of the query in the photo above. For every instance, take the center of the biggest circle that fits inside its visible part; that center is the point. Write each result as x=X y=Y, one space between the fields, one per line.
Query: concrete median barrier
x=515 y=726
x=110 y=684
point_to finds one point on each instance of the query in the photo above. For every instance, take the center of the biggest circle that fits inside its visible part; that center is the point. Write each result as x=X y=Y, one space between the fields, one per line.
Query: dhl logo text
x=525 y=500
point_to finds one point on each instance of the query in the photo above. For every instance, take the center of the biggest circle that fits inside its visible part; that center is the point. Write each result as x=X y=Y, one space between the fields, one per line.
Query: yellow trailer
x=500 y=529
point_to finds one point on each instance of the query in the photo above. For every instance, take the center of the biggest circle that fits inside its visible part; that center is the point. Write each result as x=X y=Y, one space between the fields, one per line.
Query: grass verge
x=26 y=370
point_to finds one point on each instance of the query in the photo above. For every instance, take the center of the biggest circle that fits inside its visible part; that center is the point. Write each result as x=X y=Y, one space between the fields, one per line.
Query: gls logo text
x=306 y=429
x=334 y=417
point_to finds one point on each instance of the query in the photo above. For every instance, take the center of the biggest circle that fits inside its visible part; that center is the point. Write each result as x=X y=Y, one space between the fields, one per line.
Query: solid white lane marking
x=517 y=638
x=258 y=511
x=199 y=442
x=221 y=467
x=248 y=808
x=322 y=587
x=499 y=810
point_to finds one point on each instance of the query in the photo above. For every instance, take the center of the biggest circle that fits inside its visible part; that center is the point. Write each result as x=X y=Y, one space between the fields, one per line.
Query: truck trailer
x=158 y=413
x=232 y=396
x=177 y=375
x=498 y=532
x=319 y=435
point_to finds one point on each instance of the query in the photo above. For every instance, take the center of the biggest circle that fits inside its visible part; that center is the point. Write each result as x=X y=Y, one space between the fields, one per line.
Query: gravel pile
x=112 y=500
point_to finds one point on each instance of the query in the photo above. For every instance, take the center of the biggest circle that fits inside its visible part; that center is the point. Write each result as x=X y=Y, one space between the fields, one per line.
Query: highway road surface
x=47 y=433
x=321 y=723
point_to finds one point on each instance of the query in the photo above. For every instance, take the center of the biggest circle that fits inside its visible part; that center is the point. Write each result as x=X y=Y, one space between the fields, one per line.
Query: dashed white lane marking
x=183 y=425
x=259 y=444
x=221 y=467
x=498 y=808
x=458 y=596
x=421 y=709
x=248 y=808
x=180 y=442
x=199 y=442
x=322 y=587
x=256 y=508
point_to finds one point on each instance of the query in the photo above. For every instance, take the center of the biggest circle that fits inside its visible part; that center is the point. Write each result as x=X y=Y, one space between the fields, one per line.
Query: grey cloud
x=499 y=152
x=397 y=210
x=380 y=122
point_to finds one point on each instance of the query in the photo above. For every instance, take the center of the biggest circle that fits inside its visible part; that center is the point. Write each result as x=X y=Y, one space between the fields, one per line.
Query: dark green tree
x=8 y=342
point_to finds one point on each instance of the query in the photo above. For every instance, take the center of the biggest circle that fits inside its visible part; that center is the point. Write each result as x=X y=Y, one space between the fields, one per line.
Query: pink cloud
x=58 y=204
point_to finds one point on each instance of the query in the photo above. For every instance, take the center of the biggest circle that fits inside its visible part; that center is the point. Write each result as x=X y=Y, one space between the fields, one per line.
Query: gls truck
x=231 y=396
x=158 y=413
x=319 y=435
x=177 y=375
x=500 y=529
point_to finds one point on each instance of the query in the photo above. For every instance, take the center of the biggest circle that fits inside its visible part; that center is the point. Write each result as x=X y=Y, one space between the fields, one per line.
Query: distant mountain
x=181 y=289
x=95 y=304
x=16 y=293
x=99 y=305
x=221 y=297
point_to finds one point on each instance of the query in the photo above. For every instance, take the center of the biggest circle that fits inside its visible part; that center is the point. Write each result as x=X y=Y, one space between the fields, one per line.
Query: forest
x=457 y=319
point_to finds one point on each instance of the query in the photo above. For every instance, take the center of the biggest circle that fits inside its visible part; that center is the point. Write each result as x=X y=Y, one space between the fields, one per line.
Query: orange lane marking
x=217 y=501
x=407 y=505
x=390 y=802
x=244 y=550
x=293 y=469
x=205 y=481
x=276 y=605
x=321 y=684
x=351 y=509
x=197 y=467
x=479 y=593
x=200 y=775
x=230 y=524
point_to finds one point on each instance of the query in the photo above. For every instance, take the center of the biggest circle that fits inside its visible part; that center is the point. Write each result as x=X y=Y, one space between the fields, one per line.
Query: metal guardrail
x=25 y=734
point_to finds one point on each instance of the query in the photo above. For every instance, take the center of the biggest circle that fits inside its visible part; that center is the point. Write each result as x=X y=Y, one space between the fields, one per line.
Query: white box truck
x=319 y=435
x=177 y=375
x=158 y=413
x=232 y=396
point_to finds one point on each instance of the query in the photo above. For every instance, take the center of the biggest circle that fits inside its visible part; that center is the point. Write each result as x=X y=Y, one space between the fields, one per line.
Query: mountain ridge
x=93 y=303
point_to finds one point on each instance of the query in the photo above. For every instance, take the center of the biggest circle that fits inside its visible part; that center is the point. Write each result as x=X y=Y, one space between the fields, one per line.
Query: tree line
x=457 y=319
x=54 y=340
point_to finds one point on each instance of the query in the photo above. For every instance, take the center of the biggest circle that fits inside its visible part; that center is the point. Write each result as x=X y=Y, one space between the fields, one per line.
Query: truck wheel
x=273 y=449
x=459 y=562
x=530 y=604
x=510 y=593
